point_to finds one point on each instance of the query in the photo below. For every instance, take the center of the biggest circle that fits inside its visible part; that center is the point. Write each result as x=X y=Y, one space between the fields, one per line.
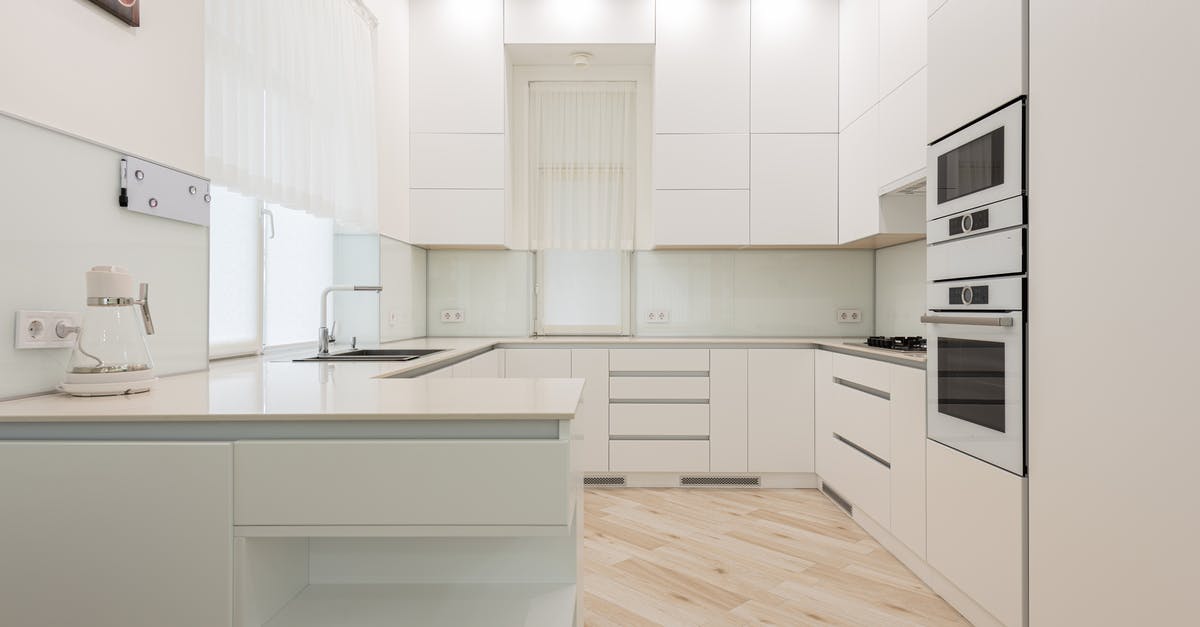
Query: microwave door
x=979 y=165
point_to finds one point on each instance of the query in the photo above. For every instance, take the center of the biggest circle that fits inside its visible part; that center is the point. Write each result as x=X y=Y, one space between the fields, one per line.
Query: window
x=299 y=265
x=234 y=275
x=583 y=292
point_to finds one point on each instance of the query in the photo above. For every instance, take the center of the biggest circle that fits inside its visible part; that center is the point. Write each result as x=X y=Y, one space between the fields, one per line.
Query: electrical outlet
x=453 y=316
x=658 y=316
x=393 y=318
x=37 y=329
x=849 y=316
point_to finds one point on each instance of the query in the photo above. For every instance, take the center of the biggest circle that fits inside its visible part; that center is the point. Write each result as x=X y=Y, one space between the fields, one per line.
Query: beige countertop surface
x=273 y=388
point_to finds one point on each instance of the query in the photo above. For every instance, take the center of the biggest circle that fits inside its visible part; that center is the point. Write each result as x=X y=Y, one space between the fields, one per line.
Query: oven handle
x=998 y=321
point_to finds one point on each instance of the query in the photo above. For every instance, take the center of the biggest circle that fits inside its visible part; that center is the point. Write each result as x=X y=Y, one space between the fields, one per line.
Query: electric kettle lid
x=109 y=282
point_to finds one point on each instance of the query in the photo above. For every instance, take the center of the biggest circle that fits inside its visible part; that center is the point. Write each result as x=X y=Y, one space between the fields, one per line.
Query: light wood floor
x=741 y=557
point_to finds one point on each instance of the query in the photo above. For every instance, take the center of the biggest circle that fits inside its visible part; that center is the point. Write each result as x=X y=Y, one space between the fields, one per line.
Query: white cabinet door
x=457 y=217
x=702 y=161
x=702 y=217
x=457 y=66
x=457 y=161
x=579 y=21
x=858 y=59
x=825 y=411
x=781 y=419
x=908 y=457
x=116 y=534
x=976 y=61
x=858 y=189
x=702 y=66
x=485 y=366
x=793 y=185
x=729 y=378
x=901 y=41
x=591 y=419
x=902 y=132
x=793 y=80
x=538 y=363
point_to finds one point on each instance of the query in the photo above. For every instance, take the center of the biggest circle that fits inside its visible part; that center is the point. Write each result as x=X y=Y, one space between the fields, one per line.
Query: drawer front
x=861 y=480
x=658 y=388
x=396 y=482
x=659 y=419
x=658 y=456
x=658 y=360
x=863 y=418
x=868 y=372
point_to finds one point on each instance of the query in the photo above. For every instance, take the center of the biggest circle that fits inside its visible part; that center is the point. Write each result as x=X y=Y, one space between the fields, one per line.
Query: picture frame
x=127 y=11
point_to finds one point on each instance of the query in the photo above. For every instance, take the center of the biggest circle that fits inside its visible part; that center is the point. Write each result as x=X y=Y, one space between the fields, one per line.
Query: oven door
x=979 y=165
x=976 y=385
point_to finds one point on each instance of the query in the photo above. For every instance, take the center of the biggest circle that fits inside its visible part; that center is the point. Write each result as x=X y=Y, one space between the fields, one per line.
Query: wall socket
x=36 y=329
x=453 y=315
x=849 y=316
x=658 y=316
x=393 y=318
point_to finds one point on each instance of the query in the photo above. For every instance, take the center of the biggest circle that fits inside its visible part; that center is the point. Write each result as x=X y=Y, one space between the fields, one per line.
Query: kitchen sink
x=376 y=354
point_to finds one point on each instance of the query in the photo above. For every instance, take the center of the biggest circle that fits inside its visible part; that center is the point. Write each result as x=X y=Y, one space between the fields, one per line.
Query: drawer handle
x=702 y=374
x=863 y=388
x=864 y=451
x=658 y=401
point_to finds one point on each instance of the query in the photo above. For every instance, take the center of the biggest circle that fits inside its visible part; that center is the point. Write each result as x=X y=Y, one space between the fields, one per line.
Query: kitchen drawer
x=868 y=372
x=658 y=388
x=658 y=360
x=658 y=456
x=861 y=480
x=401 y=482
x=657 y=419
x=863 y=418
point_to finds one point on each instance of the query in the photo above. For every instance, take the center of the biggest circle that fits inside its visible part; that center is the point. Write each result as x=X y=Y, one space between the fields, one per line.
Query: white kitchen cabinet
x=793 y=81
x=485 y=366
x=824 y=408
x=537 y=363
x=658 y=420
x=976 y=61
x=579 y=21
x=908 y=457
x=659 y=455
x=457 y=66
x=780 y=410
x=901 y=41
x=458 y=217
x=794 y=190
x=659 y=360
x=677 y=388
x=116 y=534
x=702 y=161
x=860 y=479
x=902 y=148
x=858 y=59
x=976 y=529
x=702 y=66
x=591 y=419
x=729 y=379
x=858 y=177
x=702 y=218
x=457 y=161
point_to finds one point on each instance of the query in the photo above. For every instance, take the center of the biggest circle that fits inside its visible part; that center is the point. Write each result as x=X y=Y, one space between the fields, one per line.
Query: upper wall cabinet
x=579 y=21
x=858 y=173
x=793 y=78
x=702 y=66
x=793 y=183
x=901 y=42
x=902 y=134
x=457 y=66
x=976 y=60
x=858 y=59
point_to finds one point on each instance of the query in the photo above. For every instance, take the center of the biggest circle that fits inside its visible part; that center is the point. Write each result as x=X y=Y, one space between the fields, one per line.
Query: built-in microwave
x=981 y=164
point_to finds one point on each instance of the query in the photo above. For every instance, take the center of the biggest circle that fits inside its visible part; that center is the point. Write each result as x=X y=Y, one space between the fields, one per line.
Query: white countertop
x=272 y=388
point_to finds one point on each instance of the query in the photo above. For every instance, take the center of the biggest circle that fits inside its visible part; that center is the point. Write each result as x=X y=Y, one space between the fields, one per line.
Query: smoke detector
x=582 y=60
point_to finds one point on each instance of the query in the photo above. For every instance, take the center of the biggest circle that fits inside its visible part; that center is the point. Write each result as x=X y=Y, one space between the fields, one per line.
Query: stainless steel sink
x=376 y=354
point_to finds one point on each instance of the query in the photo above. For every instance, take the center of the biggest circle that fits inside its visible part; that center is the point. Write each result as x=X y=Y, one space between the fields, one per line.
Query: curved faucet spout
x=323 y=337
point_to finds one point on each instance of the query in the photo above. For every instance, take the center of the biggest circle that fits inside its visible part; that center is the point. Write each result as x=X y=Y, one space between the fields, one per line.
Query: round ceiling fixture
x=582 y=60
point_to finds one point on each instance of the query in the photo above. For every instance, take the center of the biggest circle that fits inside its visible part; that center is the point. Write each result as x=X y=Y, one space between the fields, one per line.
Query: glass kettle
x=110 y=355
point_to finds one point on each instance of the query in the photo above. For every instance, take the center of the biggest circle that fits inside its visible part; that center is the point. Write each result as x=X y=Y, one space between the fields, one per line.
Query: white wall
x=494 y=288
x=69 y=65
x=356 y=261
x=754 y=293
x=60 y=217
x=402 y=302
x=392 y=115
x=1113 y=418
x=900 y=289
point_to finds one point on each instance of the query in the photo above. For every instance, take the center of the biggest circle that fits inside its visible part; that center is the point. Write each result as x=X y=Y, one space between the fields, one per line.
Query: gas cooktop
x=902 y=344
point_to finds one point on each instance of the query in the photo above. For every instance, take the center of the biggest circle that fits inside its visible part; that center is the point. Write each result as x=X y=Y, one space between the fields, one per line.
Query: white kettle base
x=108 y=388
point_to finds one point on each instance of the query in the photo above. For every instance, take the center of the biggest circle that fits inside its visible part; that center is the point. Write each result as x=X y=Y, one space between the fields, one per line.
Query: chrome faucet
x=324 y=338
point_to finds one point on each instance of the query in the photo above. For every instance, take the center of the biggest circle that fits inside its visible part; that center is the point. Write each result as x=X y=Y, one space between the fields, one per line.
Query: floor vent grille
x=604 y=482
x=837 y=498
x=751 y=482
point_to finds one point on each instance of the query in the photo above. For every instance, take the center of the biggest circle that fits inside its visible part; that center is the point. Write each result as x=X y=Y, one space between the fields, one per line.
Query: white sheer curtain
x=290 y=105
x=582 y=165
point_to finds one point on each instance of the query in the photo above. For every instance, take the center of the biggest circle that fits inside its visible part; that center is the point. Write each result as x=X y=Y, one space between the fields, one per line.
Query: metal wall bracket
x=160 y=191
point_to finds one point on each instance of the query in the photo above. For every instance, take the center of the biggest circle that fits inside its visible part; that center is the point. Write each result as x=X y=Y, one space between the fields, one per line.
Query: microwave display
x=972 y=167
x=971 y=381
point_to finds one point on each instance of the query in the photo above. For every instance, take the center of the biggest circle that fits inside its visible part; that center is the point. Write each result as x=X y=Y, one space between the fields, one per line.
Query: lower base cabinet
x=659 y=455
x=781 y=412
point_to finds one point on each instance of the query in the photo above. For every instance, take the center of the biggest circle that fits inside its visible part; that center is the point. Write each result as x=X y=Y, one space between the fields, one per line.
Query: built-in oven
x=981 y=164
